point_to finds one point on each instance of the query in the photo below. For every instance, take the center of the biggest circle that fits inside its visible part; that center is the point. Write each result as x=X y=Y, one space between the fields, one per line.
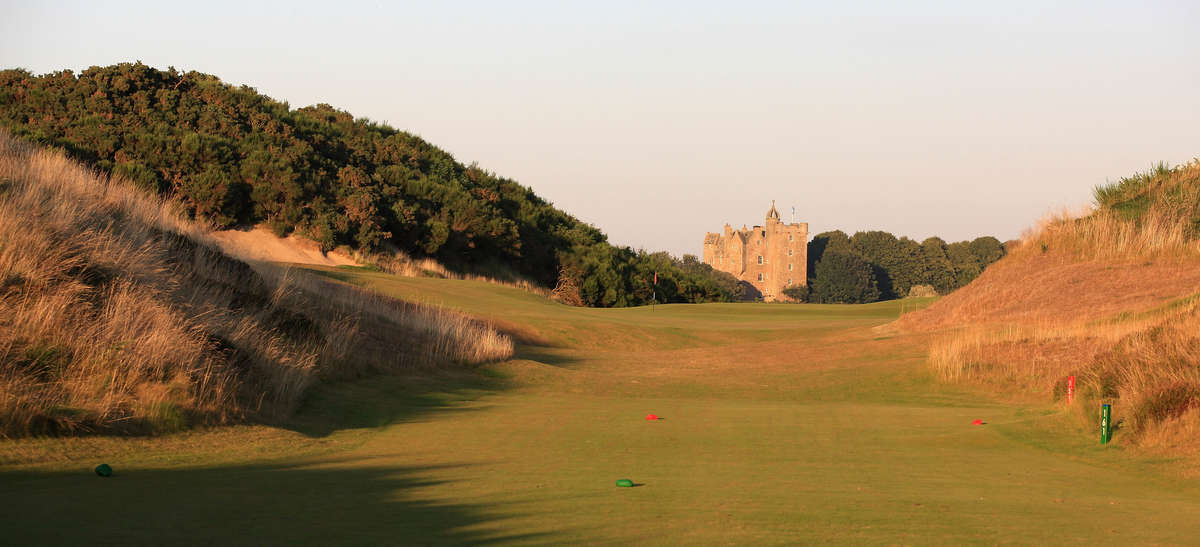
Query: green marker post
x=1105 y=423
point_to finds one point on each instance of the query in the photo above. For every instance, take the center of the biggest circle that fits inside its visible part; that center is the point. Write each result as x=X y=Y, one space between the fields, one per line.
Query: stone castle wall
x=768 y=257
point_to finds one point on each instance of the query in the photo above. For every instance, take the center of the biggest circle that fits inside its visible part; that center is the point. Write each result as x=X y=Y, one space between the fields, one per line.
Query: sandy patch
x=262 y=245
x=1051 y=288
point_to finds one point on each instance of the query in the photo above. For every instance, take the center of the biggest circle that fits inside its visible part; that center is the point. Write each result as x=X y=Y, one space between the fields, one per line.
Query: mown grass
x=534 y=318
x=782 y=425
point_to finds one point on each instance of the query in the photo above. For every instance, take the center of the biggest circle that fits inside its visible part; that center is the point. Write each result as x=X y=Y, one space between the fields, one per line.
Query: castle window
x=760 y=259
x=760 y=277
x=789 y=281
x=789 y=252
x=764 y=232
x=789 y=237
x=789 y=267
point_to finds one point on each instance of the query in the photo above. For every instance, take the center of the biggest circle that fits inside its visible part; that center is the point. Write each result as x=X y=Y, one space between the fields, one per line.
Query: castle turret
x=773 y=214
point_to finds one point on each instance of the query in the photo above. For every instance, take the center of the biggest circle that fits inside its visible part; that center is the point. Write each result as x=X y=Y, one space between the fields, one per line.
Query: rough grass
x=117 y=315
x=397 y=262
x=1108 y=297
x=1160 y=193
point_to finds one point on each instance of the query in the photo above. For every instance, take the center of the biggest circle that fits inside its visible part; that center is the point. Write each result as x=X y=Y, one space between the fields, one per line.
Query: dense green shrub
x=936 y=265
x=836 y=240
x=898 y=264
x=798 y=293
x=235 y=157
x=843 y=277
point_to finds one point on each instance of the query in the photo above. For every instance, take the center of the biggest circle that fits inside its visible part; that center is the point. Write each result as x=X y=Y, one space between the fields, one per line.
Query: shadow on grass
x=348 y=502
x=379 y=401
x=546 y=355
x=382 y=400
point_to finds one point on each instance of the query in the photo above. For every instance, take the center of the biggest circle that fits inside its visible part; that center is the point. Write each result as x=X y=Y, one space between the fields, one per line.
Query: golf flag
x=655 y=277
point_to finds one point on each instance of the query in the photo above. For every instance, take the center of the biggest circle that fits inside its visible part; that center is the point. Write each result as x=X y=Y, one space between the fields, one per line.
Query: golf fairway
x=779 y=424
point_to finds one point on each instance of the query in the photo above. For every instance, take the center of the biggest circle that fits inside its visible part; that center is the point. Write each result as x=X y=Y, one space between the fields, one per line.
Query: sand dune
x=262 y=245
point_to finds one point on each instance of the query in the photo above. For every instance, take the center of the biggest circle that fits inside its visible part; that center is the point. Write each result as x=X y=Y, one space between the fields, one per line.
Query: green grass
x=782 y=425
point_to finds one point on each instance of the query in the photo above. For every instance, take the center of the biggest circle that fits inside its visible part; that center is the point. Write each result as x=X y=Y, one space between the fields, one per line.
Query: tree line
x=876 y=265
x=236 y=157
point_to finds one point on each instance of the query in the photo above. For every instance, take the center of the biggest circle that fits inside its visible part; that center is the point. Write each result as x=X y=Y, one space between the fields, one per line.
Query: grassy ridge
x=116 y=315
x=1109 y=297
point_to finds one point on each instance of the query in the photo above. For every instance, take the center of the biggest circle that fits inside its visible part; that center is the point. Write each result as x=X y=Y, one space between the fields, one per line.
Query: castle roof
x=773 y=214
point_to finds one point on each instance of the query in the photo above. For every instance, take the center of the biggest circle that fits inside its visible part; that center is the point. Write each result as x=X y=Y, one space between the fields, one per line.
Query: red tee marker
x=977 y=422
x=651 y=417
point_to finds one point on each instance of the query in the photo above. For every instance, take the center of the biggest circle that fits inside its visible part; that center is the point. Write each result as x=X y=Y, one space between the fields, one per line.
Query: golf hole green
x=624 y=483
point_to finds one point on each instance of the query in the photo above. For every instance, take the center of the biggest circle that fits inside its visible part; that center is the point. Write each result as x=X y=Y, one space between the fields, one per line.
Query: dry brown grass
x=117 y=314
x=397 y=262
x=259 y=244
x=1103 y=235
x=1109 y=299
x=431 y=335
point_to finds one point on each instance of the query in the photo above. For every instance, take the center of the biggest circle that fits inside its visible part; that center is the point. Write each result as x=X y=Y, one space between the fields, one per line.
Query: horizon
x=660 y=124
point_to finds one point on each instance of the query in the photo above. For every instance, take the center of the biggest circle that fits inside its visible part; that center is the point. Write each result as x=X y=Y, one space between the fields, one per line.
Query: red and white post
x=1070 y=389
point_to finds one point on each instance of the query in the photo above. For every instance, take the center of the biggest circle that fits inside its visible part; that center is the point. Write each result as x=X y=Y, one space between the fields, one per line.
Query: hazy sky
x=660 y=122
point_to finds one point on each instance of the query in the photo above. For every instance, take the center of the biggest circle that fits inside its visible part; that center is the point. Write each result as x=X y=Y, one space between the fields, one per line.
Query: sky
x=658 y=122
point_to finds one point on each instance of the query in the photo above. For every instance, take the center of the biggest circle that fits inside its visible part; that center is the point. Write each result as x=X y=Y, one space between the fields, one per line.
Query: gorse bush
x=116 y=315
x=233 y=156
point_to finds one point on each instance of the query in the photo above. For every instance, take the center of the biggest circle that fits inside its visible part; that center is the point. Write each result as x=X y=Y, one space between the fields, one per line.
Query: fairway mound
x=1112 y=297
x=1029 y=287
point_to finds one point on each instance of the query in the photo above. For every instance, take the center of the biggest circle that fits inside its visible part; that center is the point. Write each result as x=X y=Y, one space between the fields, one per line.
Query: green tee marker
x=1105 y=423
x=626 y=483
x=104 y=470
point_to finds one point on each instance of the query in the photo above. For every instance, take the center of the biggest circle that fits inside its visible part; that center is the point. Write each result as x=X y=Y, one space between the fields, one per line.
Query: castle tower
x=766 y=258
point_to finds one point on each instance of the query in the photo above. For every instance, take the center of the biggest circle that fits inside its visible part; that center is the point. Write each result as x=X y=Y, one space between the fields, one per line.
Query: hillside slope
x=1112 y=297
x=235 y=157
x=118 y=314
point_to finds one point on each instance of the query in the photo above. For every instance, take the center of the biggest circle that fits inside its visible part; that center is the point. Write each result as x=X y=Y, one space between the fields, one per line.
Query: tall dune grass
x=116 y=314
x=434 y=335
x=397 y=262
x=1151 y=214
x=1103 y=235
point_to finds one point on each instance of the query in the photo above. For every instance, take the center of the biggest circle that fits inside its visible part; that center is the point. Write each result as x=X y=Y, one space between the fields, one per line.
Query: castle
x=767 y=258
